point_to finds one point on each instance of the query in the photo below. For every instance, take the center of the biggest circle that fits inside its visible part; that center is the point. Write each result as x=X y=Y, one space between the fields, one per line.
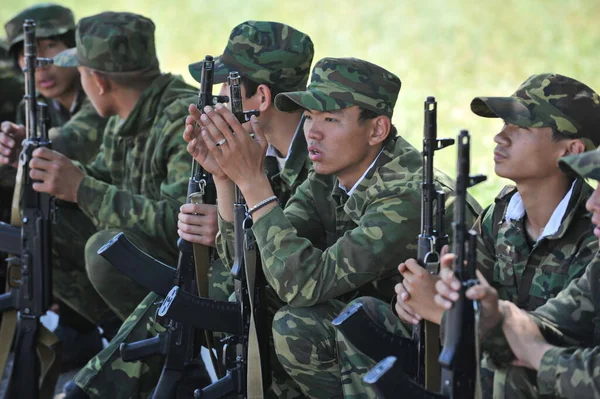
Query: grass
x=453 y=49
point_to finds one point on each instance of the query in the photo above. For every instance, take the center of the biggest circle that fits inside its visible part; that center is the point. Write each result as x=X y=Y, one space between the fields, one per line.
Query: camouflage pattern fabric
x=106 y=373
x=548 y=100
x=569 y=320
x=324 y=249
x=265 y=52
x=50 y=20
x=112 y=42
x=529 y=276
x=338 y=83
x=137 y=183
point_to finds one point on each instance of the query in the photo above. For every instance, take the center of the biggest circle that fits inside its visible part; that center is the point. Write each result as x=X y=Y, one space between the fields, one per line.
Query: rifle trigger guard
x=431 y=260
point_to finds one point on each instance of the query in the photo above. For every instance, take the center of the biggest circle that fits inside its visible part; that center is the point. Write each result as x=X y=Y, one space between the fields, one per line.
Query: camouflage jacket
x=570 y=321
x=530 y=276
x=75 y=132
x=139 y=179
x=327 y=245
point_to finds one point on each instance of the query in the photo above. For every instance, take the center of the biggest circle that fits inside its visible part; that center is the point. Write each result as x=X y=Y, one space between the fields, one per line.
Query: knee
x=98 y=269
x=299 y=332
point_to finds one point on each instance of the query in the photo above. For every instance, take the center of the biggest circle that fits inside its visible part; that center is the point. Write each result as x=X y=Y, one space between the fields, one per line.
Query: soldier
x=58 y=87
x=12 y=85
x=536 y=236
x=281 y=64
x=342 y=230
x=559 y=341
x=138 y=180
x=76 y=131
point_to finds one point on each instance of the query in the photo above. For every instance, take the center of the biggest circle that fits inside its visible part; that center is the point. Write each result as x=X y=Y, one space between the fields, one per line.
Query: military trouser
x=83 y=279
x=317 y=355
x=106 y=375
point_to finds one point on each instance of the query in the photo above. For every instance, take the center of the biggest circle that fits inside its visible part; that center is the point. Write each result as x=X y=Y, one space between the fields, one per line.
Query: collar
x=297 y=158
x=516 y=211
x=349 y=192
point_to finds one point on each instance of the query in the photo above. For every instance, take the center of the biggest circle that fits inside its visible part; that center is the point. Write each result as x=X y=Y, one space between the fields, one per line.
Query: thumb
x=259 y=135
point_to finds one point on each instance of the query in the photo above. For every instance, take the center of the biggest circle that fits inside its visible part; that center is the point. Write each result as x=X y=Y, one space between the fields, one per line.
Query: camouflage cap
x=548 y=100
x=338 y=83
x=266 y=53
x=586 y=165
x=112 y=42
x=50 y=20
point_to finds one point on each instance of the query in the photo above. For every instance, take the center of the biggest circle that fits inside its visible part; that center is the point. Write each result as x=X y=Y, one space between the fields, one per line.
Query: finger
x=218 y=127
x=442 y=302
x=192 y=228
x=241 y=134
x=207 y=139
x=479 y=292
x=405 y=315
x=445 y=250
x=198 y=209
x=192 y=147
x=39 y=175
x=193 y=238
x=41 y=164
x=46 y=153
x=415 y=268
x=190 y=133
x=259 y=134
x=445 y=291
x=401 y=292
x=195 y=113
x=194 y=220
x=447 y=261
x=7 y=141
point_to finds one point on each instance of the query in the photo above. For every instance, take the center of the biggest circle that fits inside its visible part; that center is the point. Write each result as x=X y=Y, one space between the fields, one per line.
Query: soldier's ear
x=102 y=83
x=575 y=146
x=265 y=97
x=380 y=129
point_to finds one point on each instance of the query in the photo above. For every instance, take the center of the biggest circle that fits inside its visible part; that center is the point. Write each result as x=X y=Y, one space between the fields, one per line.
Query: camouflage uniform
x=569 y=321
x=326 y=246
x=526 y=274
x=504 y=255
x=289 y=54
x=139 y=179
x=75 y=132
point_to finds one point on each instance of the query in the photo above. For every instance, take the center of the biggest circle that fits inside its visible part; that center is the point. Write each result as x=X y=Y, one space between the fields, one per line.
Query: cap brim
x=67 y=58
x=509 y=109
x=221 y=71
x=308 y=99
x=586 y=165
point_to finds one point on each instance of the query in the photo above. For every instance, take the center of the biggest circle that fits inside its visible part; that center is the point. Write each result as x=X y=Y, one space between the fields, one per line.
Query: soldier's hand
x=523 y=336
x=448 y=288
x=11 y=136
x=239 y=154
x=198 y=223
x=55 y=174
x=196 y=147
x=419 y=287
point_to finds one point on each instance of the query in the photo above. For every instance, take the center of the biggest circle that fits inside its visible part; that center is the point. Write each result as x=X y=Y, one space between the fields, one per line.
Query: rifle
x=33 y=296
x=246 y=322
x=179 y=343
x=460 y=355
x=355 y=323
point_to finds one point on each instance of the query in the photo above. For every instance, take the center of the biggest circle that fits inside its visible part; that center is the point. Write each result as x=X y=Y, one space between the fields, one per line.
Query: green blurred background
x=451 y=49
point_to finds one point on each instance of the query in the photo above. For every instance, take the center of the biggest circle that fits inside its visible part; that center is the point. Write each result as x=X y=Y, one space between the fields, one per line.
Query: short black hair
x=68 y=38
x=367 y=114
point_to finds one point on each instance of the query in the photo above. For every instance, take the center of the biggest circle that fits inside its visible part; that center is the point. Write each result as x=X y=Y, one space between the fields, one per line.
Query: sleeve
x=111 y=207
x=303 y=275
x=225 y=243
x=80 y=138
x=570 y=321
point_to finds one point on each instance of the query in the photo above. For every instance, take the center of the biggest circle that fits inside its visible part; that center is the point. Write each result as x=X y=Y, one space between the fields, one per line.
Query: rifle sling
x=254 y=376
x=202 y=263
